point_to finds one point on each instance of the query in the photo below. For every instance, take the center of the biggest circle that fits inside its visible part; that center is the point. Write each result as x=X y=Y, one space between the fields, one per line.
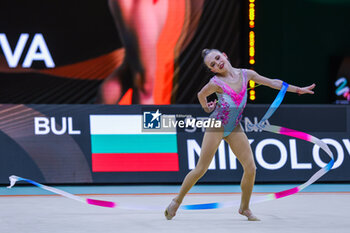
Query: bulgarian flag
x=118 y=144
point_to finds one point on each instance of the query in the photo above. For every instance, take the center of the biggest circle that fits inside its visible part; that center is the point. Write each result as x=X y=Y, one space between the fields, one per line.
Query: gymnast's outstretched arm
x=277 y=84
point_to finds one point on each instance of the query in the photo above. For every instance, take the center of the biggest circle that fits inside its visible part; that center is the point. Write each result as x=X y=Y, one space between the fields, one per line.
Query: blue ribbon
x=275 y=104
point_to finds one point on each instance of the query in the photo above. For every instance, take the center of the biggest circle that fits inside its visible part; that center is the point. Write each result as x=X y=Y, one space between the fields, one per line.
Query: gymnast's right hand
x=211 y=106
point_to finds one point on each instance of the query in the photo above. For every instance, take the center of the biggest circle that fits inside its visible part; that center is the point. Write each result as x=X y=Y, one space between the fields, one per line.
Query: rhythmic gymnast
x=230 y=86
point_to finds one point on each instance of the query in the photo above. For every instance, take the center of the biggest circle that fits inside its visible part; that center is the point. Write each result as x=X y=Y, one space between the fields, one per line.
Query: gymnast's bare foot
x=170 y=211
x=248 y=213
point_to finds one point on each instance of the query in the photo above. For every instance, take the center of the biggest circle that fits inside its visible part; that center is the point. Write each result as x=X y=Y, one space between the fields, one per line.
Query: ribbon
x=262 y=126
x=14 y=179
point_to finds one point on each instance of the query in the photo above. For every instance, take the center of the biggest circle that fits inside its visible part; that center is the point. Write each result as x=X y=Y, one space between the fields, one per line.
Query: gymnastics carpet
x=320 y=208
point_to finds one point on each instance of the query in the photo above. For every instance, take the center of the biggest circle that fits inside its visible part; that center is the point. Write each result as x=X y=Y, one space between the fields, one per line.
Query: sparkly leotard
x=231 y=104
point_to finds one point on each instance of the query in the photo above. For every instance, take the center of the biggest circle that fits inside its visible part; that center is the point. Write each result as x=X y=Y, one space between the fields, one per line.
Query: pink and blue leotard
x=230 y=103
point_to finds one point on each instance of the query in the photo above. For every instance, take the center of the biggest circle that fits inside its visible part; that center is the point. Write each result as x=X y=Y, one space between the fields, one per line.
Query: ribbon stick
x=261 y=125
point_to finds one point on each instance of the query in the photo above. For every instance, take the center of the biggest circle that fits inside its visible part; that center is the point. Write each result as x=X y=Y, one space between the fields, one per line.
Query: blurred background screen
x=116 y=51
x=149 y=52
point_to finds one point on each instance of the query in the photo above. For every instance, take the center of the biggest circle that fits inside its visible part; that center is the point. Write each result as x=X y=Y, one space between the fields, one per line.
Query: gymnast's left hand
x=307 y=90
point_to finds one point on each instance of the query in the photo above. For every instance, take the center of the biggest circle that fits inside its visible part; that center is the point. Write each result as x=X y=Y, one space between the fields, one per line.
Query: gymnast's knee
x=250 y=169
x=198 y=172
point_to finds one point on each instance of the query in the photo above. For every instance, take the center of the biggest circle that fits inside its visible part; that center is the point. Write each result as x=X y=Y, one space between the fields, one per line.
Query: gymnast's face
x=217 y=62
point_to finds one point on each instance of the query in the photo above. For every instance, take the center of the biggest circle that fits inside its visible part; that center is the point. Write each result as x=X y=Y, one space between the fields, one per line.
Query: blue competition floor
x=166 y=189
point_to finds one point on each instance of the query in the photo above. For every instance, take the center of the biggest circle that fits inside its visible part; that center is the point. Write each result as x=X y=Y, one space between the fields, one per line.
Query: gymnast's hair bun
x=205 y=52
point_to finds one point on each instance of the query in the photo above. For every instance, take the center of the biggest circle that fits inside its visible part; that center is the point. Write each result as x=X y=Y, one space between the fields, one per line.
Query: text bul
x=44 y=125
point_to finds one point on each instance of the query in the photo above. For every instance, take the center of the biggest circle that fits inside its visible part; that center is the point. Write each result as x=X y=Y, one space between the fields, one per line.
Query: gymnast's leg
x=211 y=142
x=239 y=145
